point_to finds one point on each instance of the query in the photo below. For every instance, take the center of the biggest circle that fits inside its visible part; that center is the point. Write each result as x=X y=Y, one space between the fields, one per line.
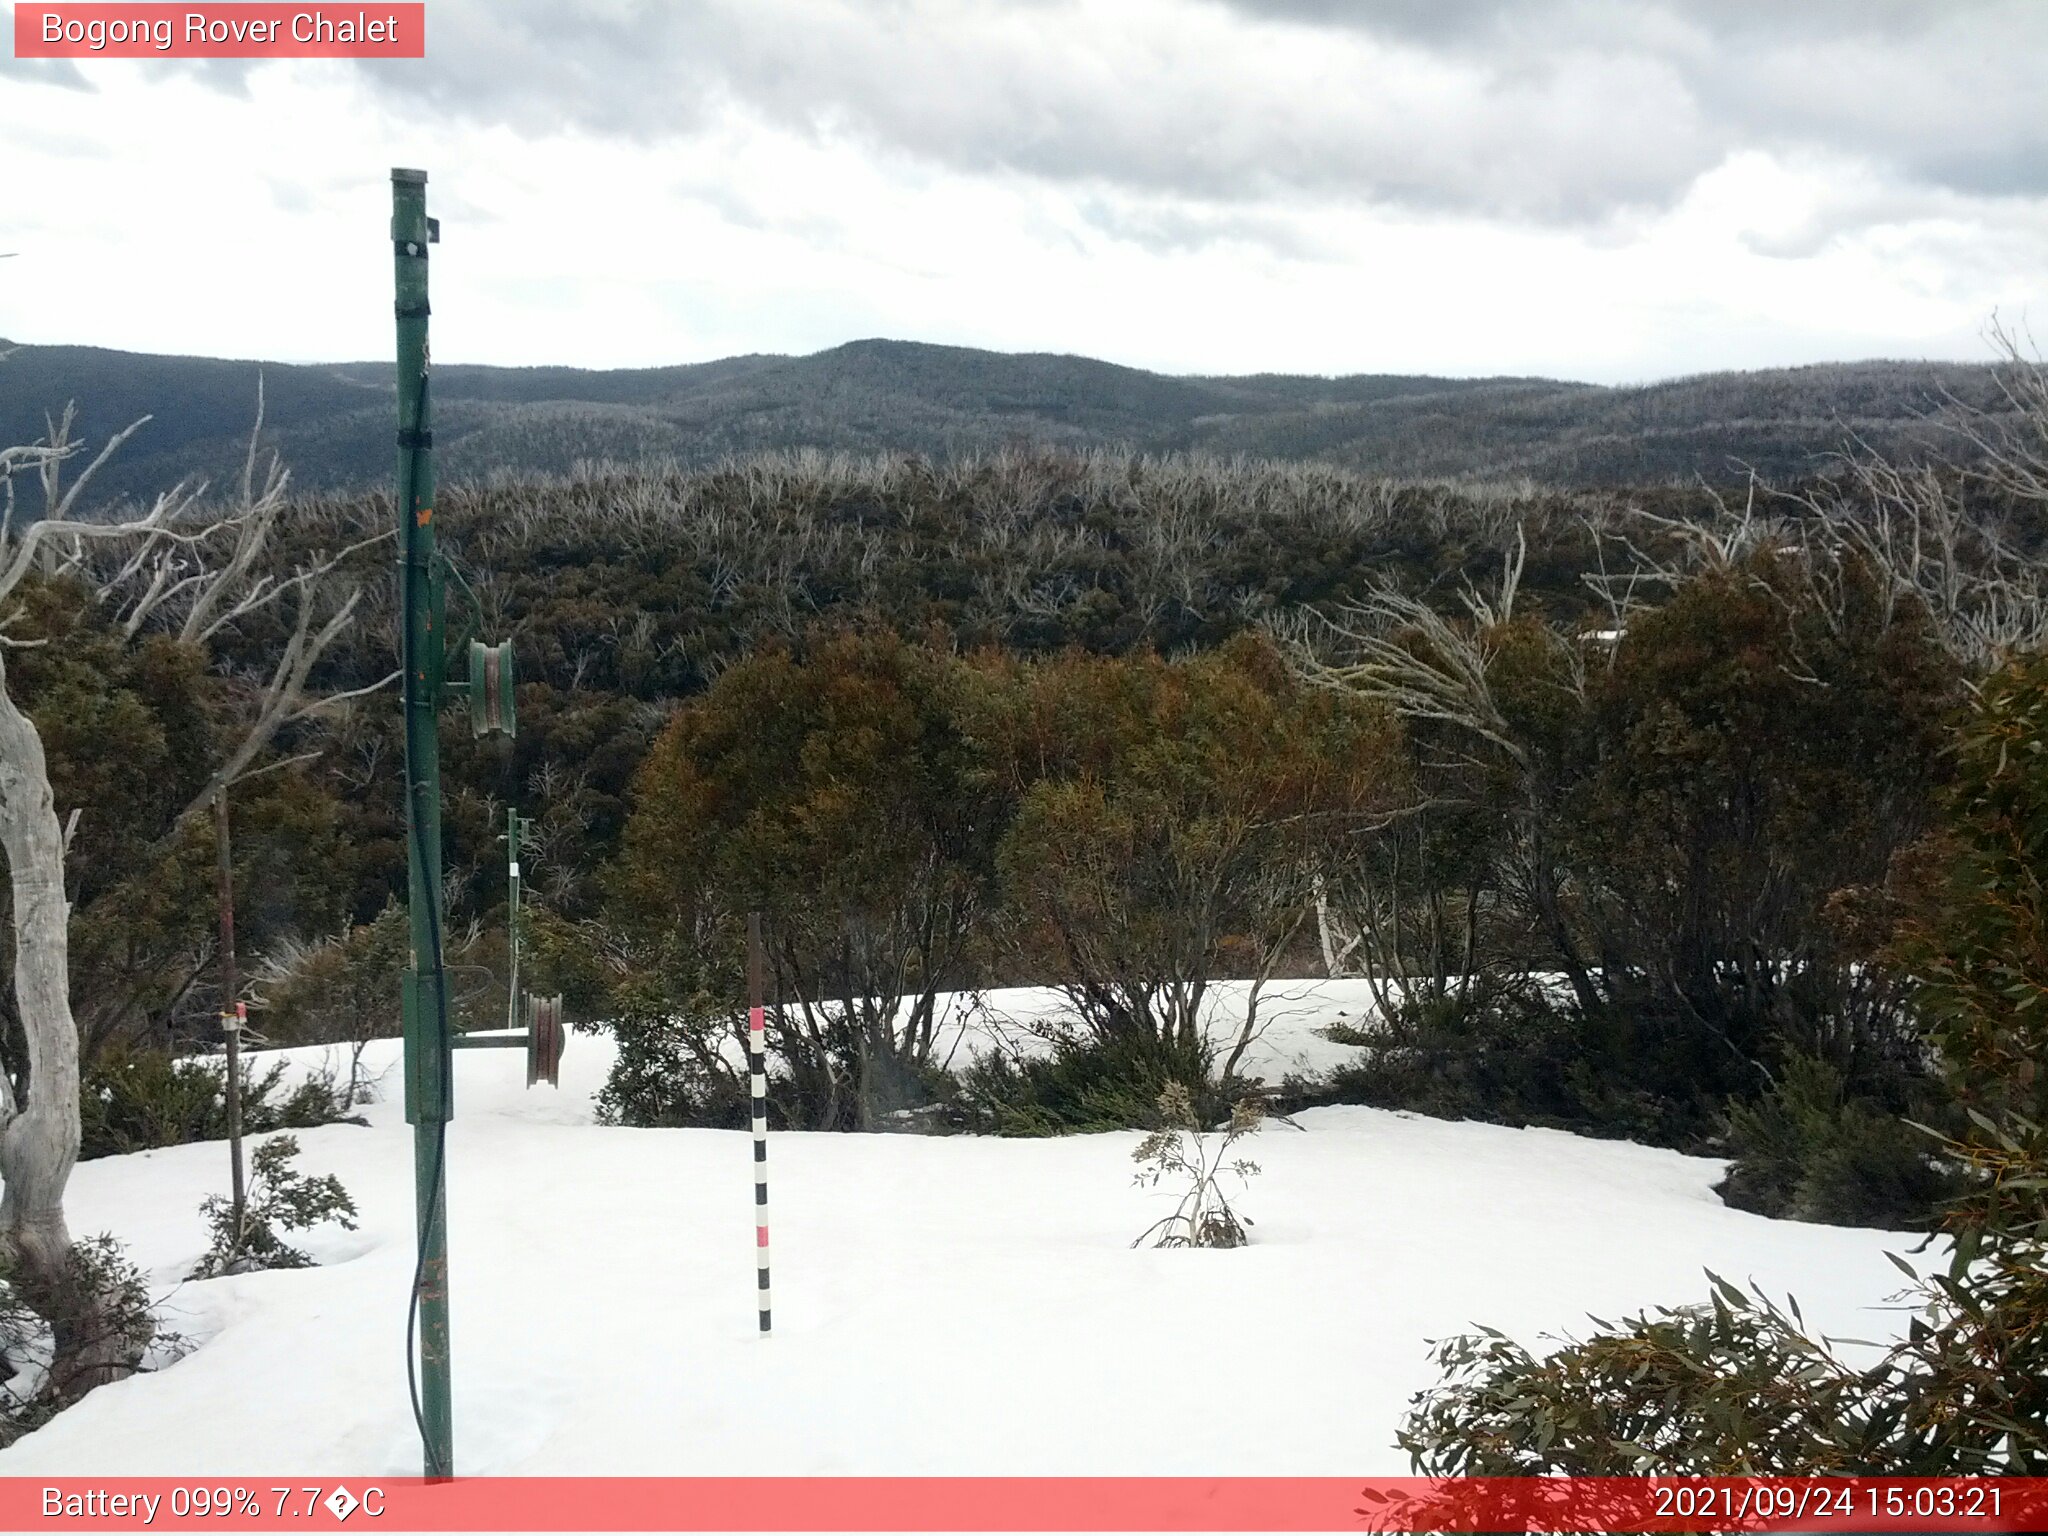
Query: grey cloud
x=58 y=72
x=1020 y=89
x=1954 y=103
x=453 y=206
x=1169 y=227
x=61 y=146
x=228 y=76
x=1435 y=21
x=1547 y=111
x=735 y=206
x=1482 y=24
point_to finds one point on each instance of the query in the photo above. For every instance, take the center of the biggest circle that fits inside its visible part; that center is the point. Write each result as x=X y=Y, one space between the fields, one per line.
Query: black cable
x=416 y=822
x=412 y=1311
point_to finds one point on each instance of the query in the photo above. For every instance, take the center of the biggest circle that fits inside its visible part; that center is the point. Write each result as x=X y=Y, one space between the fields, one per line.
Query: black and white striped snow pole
x=757 y=1066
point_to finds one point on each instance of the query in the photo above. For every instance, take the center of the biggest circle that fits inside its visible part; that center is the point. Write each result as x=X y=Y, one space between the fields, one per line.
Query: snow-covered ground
x=955 y=1305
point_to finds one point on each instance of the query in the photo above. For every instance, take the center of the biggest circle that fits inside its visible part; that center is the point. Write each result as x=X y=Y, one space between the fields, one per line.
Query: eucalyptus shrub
x=1740 y=1384
x=279 y=1199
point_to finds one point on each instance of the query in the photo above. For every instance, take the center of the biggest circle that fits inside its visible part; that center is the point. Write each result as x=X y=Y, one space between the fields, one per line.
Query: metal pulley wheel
x=491 y=710
x=545 y=1037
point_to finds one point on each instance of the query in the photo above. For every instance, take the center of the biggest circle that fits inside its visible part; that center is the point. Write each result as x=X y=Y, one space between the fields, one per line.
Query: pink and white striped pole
x=757 y=1067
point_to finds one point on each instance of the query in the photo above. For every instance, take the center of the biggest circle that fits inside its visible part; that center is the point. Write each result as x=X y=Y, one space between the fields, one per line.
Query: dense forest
x=1705 y=816
x=332 y=422
x=1613 y=788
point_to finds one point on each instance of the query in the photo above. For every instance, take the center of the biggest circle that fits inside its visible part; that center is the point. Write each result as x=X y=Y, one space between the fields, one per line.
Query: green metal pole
x=428 y=1074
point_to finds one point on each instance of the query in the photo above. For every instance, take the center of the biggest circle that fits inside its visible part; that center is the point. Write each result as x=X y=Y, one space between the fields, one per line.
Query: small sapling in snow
x=1181 y=1150
x=281 y=1199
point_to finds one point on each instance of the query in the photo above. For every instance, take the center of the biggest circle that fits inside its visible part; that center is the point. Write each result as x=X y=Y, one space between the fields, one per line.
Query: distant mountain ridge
x=333 y=423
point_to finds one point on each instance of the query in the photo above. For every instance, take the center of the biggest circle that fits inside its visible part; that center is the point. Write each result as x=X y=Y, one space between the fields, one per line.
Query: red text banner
x=217 y=31
x=1588 y=1504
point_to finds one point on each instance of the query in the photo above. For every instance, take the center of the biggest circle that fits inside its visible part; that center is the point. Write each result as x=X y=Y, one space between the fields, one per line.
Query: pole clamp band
x=409 y=438
x=418 y=311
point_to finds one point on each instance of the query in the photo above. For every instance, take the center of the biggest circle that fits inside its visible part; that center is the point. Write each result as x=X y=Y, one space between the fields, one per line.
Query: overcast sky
x=1611 y=190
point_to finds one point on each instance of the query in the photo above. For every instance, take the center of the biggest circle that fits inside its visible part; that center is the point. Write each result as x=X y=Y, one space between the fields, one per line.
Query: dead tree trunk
x=39 y=1134
x=162 y=568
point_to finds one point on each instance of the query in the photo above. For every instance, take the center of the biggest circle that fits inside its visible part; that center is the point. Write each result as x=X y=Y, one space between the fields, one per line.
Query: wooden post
x=231 y=1012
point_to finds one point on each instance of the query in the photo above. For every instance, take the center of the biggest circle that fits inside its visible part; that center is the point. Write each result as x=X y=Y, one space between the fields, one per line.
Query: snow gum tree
x=193 y=572
x=1677 y=816
x=1169 y=819
x=835 y=792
